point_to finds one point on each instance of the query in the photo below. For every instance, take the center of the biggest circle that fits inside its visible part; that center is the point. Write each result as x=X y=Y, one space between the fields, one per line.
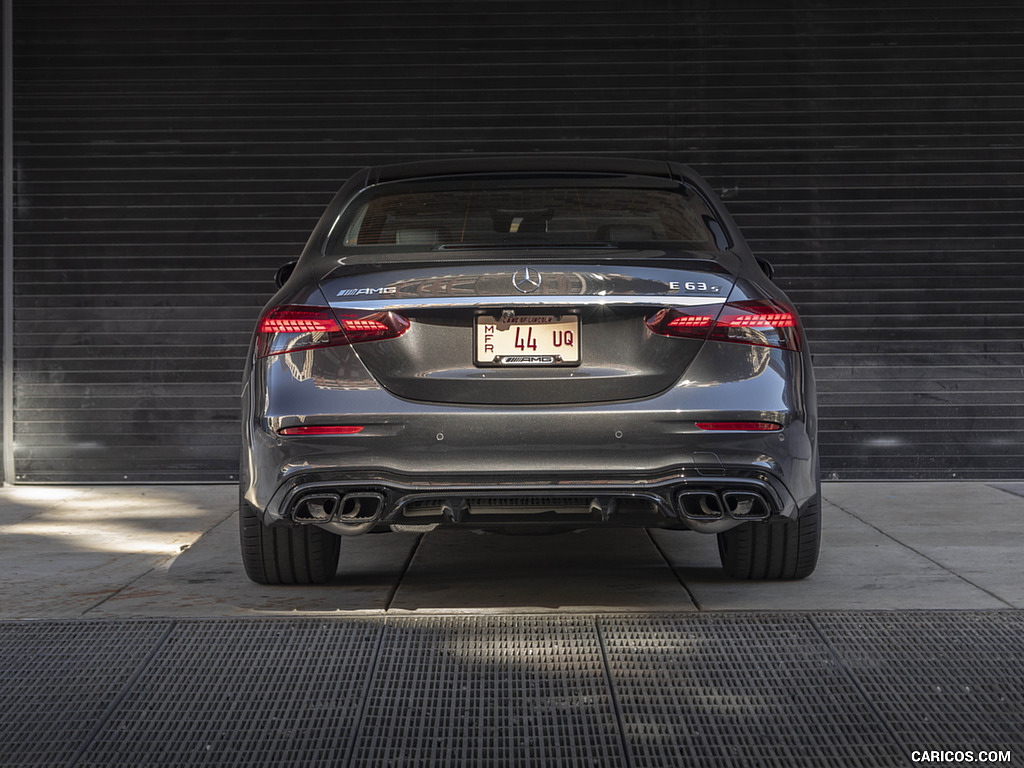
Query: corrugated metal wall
x=169 y=156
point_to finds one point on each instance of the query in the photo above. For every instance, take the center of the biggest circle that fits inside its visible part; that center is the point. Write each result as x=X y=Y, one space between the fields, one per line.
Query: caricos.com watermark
x=940 y=756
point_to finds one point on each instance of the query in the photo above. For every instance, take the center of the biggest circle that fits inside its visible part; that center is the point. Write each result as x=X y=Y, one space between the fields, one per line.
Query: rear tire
x=286 y=554
x=776 y=550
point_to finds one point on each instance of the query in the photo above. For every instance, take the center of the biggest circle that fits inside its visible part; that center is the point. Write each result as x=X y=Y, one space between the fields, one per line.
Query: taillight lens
x=692 y=323
x=297 y=328
x=763 y=323
x=382 y=325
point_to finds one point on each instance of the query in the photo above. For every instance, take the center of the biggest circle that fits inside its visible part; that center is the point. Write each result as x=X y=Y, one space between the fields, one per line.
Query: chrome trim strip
x=387 y=303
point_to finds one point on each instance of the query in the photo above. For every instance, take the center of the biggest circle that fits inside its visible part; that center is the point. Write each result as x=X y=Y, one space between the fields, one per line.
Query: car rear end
x=542 y=350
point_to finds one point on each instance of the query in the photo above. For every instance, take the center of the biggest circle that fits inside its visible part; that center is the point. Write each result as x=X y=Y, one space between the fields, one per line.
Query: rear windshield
x=496 y=214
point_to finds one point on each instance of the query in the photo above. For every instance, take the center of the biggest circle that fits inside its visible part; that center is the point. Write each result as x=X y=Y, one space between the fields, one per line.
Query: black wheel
x=286 y=554
x=780 y=549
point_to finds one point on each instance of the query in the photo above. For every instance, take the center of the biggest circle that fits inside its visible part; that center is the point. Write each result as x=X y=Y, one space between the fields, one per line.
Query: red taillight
x=384 y=325
x=690 y=322
x=763 y=323
x=738 y=426
x=299 y=320
x=762 y=320
x=321 y=430
x=693 y=322
x=297 y=328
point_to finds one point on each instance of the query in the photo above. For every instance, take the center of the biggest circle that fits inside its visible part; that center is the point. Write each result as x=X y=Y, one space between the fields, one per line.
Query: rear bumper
x=641 y=462
x=707 y=500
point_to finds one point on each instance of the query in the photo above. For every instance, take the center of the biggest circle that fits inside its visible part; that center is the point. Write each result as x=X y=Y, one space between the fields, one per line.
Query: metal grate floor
x=846 y=689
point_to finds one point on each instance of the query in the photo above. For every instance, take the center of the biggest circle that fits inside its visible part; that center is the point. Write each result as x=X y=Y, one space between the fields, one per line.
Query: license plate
x=528 y=340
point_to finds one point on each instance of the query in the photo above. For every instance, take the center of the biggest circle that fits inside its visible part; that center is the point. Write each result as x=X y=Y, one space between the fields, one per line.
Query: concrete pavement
x=172 y=552
x=606 y=647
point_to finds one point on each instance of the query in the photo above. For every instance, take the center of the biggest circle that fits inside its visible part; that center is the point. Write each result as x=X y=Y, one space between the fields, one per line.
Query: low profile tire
x=776 y=550
x=286 y=554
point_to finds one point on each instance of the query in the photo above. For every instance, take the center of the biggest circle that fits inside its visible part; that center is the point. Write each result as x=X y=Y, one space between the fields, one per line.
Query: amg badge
x=528 y=360
x=367 y=291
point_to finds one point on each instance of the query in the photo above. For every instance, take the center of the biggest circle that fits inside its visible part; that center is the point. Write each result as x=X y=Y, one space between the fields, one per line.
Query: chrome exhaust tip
x=329 y=507
x=316 y=508
x=745 y=505
x=701 y=506
x=711 y=511
x=360 y=507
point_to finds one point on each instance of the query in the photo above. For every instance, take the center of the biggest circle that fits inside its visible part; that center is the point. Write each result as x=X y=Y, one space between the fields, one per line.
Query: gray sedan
x=528 y=344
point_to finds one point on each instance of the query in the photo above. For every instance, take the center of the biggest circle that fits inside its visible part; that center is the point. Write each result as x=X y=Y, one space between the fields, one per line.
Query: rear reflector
x=297 y=328
x=325 y=430
x=763 y=323
x=738 y=426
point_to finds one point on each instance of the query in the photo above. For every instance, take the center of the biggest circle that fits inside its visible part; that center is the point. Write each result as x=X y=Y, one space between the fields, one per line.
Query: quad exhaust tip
x=706 y=506
x=702 y=506
x=316 y=508
x=745 y=505
x=354 y=508
x=361 y=507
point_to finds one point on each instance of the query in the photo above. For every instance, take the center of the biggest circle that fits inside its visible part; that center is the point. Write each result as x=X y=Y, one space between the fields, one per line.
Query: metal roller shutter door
x=170 y=156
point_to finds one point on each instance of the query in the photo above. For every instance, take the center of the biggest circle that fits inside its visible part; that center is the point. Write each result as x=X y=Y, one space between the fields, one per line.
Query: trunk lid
x=532 y=331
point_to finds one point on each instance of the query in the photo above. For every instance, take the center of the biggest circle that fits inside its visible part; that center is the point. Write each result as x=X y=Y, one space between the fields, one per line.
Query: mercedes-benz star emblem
x=526 y=280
